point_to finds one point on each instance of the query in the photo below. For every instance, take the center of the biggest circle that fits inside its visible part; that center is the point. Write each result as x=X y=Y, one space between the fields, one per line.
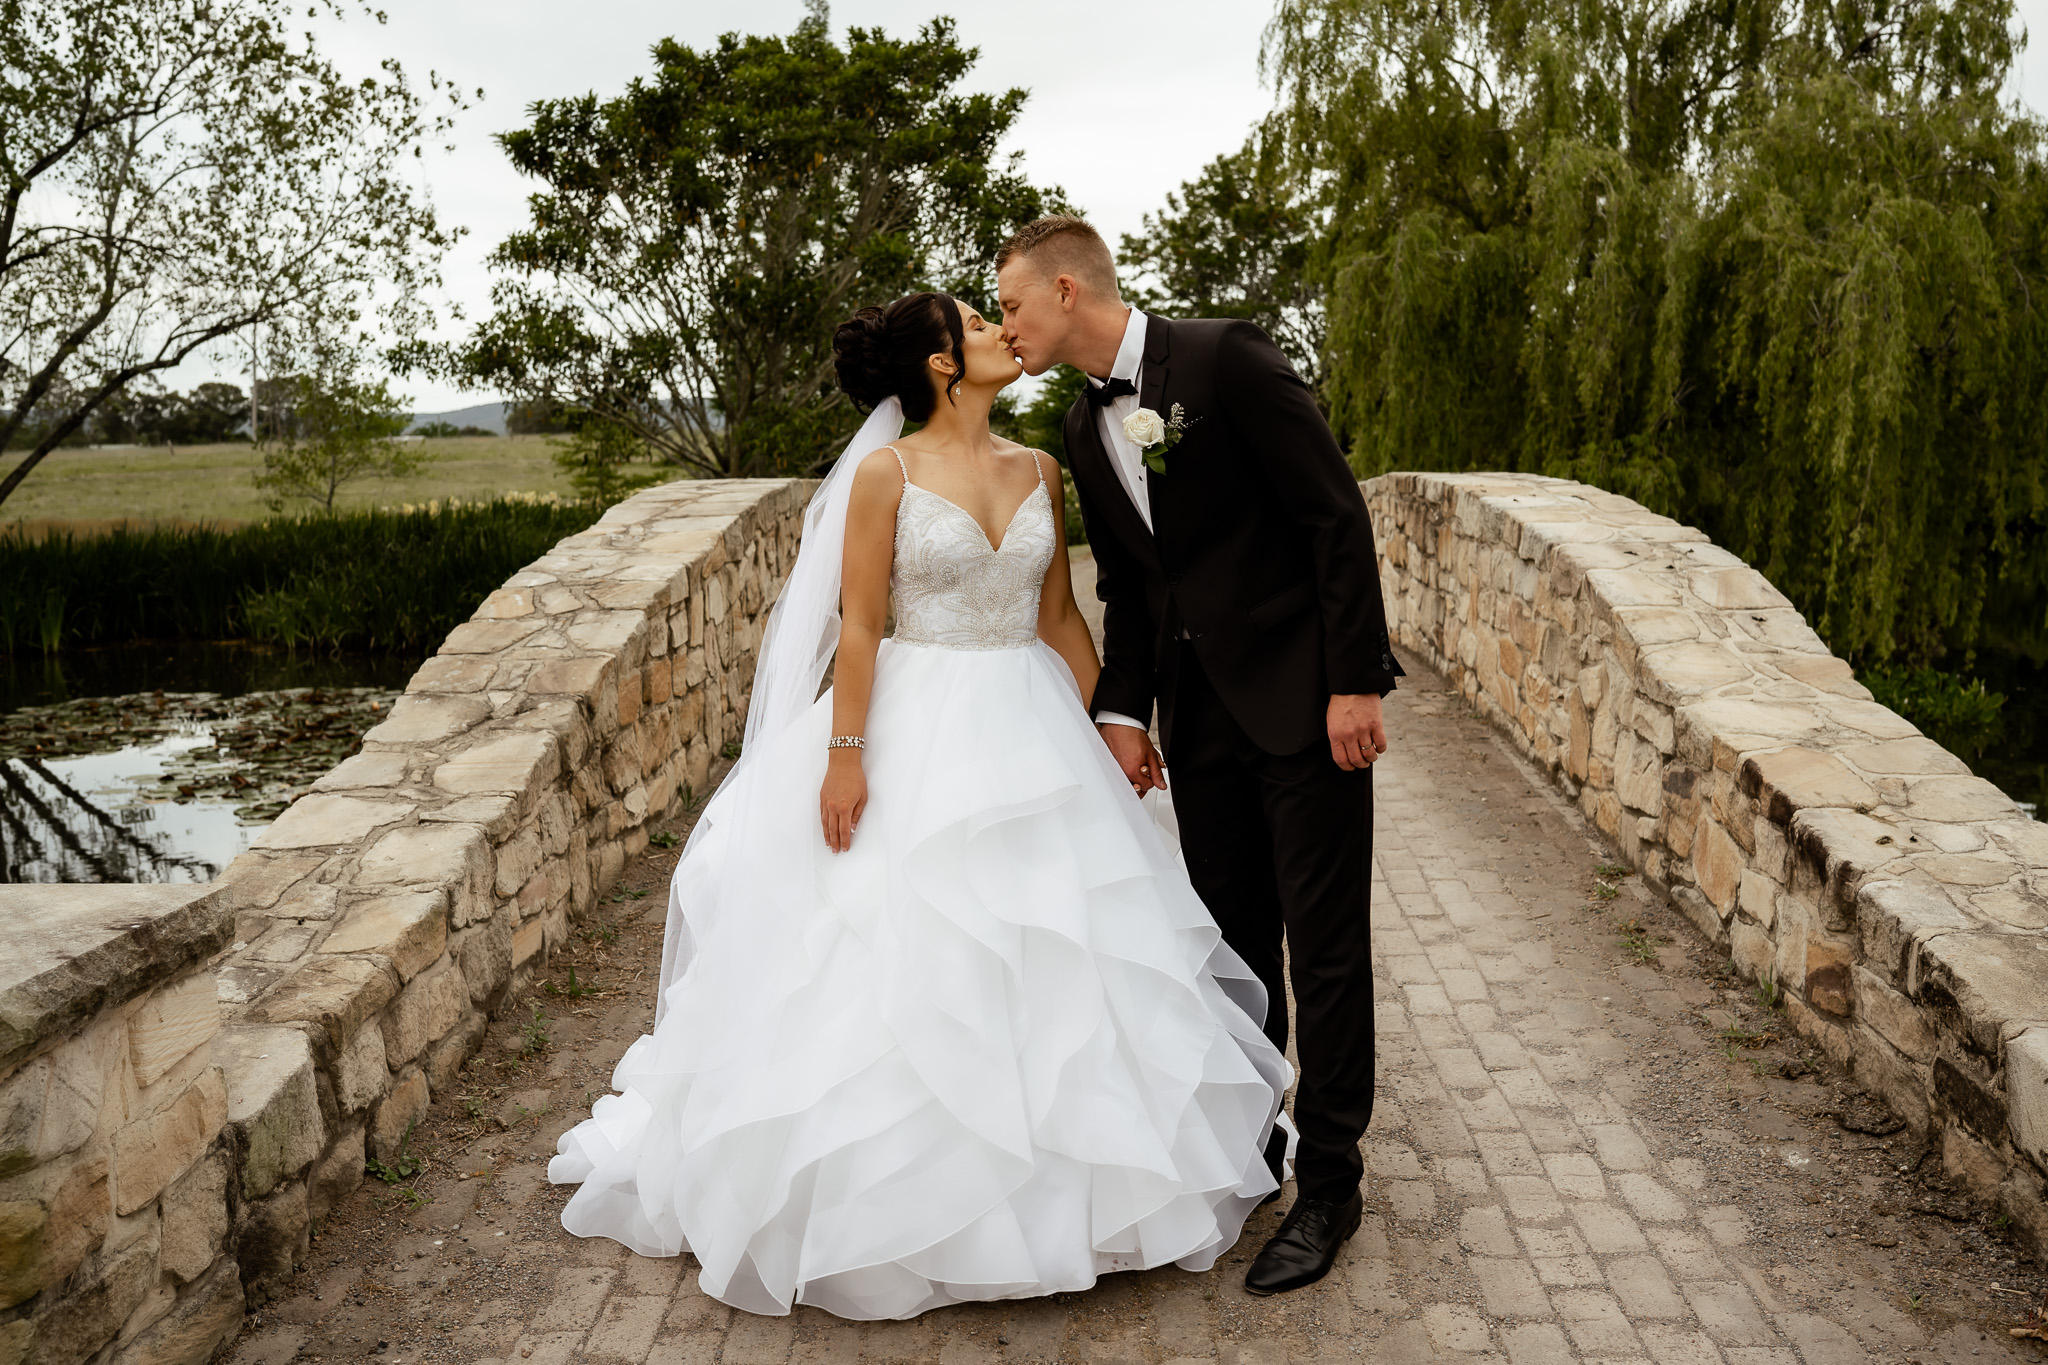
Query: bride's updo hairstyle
x=881 y=352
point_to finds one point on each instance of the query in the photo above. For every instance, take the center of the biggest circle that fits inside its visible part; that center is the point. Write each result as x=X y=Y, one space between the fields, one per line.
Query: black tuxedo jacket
x=1261 y=547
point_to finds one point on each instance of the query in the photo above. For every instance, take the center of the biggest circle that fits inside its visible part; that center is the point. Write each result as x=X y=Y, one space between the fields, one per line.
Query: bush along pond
x=165 y=693
x=1992 y=713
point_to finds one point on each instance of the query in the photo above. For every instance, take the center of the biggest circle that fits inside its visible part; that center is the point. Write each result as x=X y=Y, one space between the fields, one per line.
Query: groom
x=1240 y=589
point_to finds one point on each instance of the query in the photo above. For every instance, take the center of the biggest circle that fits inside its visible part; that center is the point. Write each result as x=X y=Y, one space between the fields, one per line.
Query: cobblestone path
x=1566 y=1163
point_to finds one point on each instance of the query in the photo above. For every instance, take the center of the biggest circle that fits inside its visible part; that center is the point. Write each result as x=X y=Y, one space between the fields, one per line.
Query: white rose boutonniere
x=1147 y=429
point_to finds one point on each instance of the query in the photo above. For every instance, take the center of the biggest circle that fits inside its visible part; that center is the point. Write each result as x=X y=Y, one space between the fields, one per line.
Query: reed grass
x=395 y=580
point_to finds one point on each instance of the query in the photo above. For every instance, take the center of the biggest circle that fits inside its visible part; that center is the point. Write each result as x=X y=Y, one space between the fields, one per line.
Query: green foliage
x=539 y=417
x=1961 y=715
x=50 y=623
x=1635 y=941
x=340 y=429
x=606 y=460
x=1041 y=425
x=1236 y=242
x=1768 y=993
x=145 y=414
x=572 y=988
x=1770 y=266
x=533 y=1034
x=438 y=430
x=175 y=174
x=695 y=240
x=403 y=1166
x=356 y=580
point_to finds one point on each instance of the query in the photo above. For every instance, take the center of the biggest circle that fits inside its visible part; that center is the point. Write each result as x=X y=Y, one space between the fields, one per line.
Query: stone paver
x=1527 y=1202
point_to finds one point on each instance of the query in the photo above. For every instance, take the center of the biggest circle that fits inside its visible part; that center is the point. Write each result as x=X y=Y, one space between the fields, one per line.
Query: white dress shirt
x=1124 y=455
x=1124 y=452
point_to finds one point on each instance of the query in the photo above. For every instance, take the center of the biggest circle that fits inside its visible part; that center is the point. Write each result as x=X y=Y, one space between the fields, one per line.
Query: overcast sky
x=1129 y=98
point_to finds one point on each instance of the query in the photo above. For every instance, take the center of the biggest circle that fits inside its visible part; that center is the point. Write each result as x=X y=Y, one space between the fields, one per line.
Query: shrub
x=1959 y=714
x=384 y=580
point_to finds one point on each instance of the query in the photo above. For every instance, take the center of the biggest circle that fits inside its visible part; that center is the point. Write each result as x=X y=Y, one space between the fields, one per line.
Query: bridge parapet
x=1817 y=837
x=191 y=1077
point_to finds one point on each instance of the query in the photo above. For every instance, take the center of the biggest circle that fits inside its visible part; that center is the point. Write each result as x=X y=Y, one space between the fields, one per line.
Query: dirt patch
x=460 y=1242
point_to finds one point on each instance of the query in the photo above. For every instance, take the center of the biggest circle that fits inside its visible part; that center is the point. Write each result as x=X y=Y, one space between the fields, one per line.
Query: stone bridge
x=1638 y=825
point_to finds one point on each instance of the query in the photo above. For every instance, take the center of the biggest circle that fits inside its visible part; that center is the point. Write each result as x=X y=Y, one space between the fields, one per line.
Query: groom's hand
x=1358 y=733
x=1132 y=749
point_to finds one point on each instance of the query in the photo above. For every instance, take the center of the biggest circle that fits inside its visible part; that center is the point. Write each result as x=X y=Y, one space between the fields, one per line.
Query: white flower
x=1145 y=428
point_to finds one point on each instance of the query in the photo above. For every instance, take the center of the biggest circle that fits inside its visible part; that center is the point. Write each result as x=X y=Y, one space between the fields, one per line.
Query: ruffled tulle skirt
x=995 y=1050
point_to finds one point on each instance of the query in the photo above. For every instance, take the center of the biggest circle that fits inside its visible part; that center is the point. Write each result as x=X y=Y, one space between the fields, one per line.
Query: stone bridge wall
x=114 y=1159
x=1811 y=833
x=175 y=1119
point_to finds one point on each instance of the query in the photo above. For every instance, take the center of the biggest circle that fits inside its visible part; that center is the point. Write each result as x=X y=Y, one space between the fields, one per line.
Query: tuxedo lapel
x=1152 y=394
x=1158 y=360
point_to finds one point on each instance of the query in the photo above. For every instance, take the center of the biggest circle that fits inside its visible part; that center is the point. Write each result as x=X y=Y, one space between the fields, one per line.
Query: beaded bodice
x=952 y=588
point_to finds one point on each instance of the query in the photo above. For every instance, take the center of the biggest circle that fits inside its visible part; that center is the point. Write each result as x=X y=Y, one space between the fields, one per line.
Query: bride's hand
x=842 y=799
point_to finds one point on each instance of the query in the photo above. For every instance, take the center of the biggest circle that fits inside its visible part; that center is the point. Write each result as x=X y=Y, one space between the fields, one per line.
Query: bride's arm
x=863 y=610
x=1060 y=623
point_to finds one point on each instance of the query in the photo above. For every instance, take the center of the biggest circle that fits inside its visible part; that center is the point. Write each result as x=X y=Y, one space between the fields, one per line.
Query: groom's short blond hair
x=1061 y=244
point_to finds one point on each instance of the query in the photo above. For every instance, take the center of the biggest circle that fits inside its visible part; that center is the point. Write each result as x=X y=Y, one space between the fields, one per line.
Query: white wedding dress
x=995 y=1050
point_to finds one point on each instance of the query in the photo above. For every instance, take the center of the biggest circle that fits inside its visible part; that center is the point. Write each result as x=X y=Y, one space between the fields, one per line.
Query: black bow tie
x=1102 y=394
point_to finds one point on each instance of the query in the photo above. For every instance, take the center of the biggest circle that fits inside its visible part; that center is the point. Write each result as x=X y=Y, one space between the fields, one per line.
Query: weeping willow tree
x=1775 y=267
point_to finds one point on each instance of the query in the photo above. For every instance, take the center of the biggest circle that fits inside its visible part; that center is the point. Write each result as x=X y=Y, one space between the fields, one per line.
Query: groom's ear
x=1068 y=290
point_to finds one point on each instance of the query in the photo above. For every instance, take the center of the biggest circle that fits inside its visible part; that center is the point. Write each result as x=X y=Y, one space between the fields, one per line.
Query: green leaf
x=696 y=238
x=1773 y=269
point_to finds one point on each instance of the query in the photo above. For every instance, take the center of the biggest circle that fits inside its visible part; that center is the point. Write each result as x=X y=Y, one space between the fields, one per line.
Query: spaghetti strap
x=906 y=468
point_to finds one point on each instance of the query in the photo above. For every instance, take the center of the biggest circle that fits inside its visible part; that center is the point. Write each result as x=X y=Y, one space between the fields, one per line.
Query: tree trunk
x=20 y=471
x=51 y=440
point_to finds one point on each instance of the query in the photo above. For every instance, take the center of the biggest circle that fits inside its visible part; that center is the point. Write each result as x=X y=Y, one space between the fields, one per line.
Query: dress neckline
x=994 y=547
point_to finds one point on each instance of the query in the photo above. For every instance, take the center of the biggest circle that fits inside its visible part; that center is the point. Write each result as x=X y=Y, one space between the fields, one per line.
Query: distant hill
x=489 y=416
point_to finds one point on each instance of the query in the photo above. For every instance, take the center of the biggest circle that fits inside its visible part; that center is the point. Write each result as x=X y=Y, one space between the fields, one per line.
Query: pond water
x=95 y=819
x=168 y=785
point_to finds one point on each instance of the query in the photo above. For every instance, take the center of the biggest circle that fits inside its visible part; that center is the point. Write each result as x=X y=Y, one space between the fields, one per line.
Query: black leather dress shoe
x=1306 y=1246
x=1268 y=1199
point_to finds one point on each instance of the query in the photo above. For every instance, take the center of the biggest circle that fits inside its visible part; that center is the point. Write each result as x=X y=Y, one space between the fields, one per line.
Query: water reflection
x=163 y=786
x=87 y=819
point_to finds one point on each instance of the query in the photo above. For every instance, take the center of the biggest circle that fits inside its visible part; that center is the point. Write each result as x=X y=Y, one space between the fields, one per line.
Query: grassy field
x=79 y=489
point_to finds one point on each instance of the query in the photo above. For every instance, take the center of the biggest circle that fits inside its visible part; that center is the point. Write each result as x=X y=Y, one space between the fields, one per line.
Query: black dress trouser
x=1279 y=847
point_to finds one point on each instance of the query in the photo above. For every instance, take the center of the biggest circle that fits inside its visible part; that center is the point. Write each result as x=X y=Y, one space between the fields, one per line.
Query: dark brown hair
x=881 y=352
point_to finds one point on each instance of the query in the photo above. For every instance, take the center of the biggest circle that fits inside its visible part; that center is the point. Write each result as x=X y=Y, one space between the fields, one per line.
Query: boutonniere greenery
x=1155 y=435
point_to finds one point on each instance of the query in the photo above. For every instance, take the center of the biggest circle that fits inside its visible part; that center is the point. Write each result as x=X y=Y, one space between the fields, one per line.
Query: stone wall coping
x=73 y=952
x=1812 y=834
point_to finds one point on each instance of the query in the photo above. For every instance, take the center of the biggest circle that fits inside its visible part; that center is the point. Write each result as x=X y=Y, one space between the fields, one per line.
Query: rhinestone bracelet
x=846 y=742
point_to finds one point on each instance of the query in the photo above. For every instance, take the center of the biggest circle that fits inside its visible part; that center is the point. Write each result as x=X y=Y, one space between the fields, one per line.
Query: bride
x=941 y=1019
